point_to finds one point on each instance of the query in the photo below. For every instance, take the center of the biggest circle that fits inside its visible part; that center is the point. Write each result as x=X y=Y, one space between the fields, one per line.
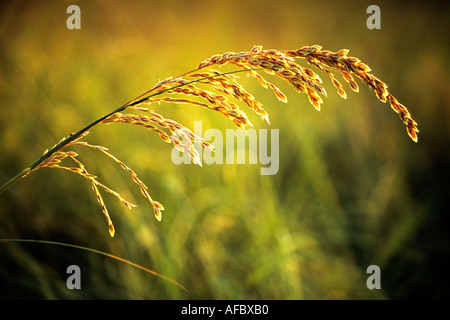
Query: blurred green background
x=352 y=189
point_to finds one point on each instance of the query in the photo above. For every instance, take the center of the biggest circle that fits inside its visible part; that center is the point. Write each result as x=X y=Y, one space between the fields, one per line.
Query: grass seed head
x=223 y=87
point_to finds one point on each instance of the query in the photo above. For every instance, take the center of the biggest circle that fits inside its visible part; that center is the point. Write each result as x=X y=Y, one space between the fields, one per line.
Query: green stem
x=19 y=176
x=75 y=135
x=98 y=252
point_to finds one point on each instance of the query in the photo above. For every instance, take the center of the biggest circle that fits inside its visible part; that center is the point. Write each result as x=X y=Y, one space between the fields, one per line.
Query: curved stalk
x=98 y=252
x=143 y=97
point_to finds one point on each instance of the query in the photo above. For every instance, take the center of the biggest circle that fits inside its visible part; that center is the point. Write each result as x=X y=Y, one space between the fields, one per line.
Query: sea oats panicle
x=189 y=89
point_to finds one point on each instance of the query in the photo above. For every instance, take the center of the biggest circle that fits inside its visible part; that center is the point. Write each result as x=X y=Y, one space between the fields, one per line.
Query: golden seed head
x=224 y=88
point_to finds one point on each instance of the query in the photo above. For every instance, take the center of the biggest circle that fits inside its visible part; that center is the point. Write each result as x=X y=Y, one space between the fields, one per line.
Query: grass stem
x=75 y=135
x=97 y=252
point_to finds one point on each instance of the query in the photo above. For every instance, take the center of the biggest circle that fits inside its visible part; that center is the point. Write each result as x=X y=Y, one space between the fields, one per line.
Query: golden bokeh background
x=352 y=189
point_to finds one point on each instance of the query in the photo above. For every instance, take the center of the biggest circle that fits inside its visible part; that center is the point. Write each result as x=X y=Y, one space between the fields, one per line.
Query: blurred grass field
x=352 y=189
